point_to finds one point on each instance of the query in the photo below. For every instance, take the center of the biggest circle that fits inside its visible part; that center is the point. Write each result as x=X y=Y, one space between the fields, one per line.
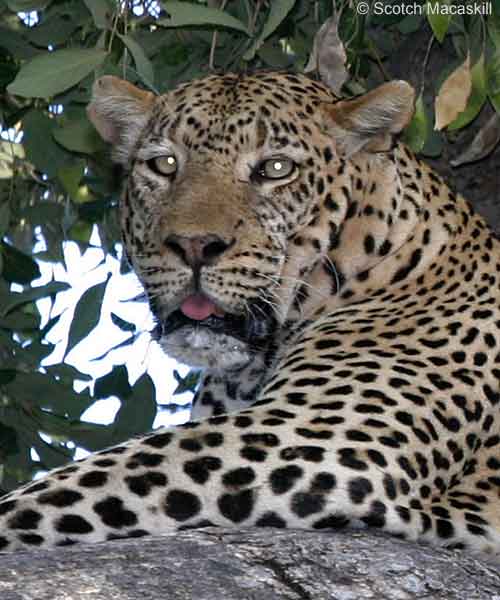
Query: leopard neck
x=394 y=211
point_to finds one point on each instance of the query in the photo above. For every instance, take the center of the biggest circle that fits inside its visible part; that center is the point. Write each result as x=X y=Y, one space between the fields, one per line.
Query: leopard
x=340 y=300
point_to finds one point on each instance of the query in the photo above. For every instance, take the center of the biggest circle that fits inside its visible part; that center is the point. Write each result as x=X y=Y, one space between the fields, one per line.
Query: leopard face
x=233 y=199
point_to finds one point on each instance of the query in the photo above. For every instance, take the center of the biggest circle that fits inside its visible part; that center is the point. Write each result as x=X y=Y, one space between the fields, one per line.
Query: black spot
x=284 y=478
x=323 y=482
x=29 y=538
x=266 y=439
x=404 y=513
x=60 y=498
x=144 y=459
x=236 y=507
x=4 y=543
x=25 y=519
x=406 y=465
x=369 y=244
x=444 y=528
x=135 y=533
x=180 y=505
x=213 y=439
x=113 y=513
x=253 y=454
x=142 y=484
x=348 y=458
x=359 y=488
x=7 y=506
x=390 y=487
x=322 y=434
x=104 y=462
x=190 y=445
x=357 y=436
x=160 y=440
x=376 y=516
x=270 y=519
x=243 y=421
x=377 y=458
x=199 y=469
x=73 y=524
x=304 y=504
x=403 y=272
x=307 y=453
x=93 y=479
x=335 y=521
x=239 y=477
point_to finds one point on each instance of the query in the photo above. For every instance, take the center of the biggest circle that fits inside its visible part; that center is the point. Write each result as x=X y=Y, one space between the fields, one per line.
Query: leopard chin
x=204 y=347
x=227 y=342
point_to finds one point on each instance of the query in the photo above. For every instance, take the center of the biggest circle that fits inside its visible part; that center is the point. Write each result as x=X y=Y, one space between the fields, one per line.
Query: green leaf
x=52 y=455
x=17 y=299
x=78 y=136
x=67 y=373
x=142 y=63
x=101 y=11
x=43 y=391
x=184 y=14
x=438 y=18
x=41 y=150
x=87 y=314
x=114 y=383
x=122 y=324
x=91 y=436
x=417 y=131
x=188 y=383
x=477 y=97
x=54 y=72
x=137 y=412
x=17 y=266
x=277 y=13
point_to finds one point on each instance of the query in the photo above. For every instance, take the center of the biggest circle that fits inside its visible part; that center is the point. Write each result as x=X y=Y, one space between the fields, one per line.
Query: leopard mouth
x=197 y=311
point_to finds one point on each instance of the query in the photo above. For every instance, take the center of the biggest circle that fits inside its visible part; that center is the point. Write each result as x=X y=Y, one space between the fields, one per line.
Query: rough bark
x=261 y=564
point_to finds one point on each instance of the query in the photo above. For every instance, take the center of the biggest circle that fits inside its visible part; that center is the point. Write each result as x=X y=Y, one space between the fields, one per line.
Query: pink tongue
x=199 y=307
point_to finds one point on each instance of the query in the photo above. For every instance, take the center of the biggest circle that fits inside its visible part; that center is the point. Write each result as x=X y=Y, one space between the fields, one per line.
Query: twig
x=211 y=60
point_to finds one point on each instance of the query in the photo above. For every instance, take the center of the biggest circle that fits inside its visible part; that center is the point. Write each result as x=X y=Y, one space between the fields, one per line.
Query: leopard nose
x=197 y=251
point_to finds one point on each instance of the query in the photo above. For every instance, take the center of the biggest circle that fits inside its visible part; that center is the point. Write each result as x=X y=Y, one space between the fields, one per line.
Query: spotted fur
x=367 y=389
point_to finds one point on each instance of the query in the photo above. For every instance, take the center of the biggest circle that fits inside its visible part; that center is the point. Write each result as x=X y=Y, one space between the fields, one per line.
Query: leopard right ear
x=119 y=111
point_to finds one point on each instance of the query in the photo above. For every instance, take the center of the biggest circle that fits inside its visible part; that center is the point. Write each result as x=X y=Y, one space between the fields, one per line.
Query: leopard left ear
x=119 y=111
x=370 y=121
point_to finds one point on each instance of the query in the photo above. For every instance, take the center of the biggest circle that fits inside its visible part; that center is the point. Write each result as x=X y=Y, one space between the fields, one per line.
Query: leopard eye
x=163 y=165
x=275 y=168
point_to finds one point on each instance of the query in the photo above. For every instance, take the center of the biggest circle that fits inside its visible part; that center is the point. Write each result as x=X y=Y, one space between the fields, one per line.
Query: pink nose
x=199 y=250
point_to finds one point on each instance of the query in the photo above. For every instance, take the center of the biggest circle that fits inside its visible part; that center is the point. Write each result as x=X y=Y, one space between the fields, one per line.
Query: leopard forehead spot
x=343 y=302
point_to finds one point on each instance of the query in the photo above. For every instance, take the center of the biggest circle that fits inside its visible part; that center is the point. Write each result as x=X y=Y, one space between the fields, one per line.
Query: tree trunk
x=260 y=564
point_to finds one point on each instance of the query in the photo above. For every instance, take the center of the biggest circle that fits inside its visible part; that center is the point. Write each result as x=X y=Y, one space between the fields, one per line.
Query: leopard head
x=236 y=187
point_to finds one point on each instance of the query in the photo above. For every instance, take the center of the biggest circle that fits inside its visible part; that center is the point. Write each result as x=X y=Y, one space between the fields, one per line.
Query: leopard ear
x=370 y=121
x=119 y=111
